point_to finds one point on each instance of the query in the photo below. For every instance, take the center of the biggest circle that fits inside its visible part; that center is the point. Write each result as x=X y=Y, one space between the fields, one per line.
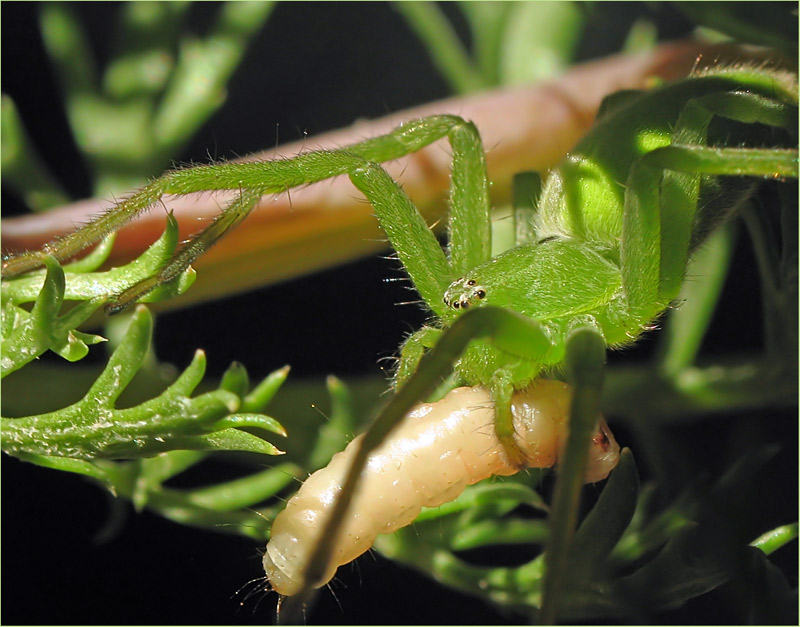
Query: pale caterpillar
x=438 y=450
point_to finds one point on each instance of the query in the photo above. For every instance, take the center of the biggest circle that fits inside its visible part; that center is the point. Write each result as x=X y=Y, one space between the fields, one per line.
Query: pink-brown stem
x=523 y=128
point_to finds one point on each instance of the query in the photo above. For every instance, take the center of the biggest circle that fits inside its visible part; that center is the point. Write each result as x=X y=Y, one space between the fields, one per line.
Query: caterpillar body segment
x=437 y=451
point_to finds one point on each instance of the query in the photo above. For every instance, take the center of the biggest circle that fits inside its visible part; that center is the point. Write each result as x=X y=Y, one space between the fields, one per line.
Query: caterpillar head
x=603 y=454
x=541 y=413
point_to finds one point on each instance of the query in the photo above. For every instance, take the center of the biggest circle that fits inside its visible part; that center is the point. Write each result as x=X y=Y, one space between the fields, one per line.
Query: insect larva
x=438 y=450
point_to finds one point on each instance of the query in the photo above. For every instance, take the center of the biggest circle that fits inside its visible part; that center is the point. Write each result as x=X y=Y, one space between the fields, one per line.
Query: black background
x=315 y=67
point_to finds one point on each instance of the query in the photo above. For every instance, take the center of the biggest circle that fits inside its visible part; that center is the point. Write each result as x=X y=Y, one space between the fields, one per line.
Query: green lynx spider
x=602 y=255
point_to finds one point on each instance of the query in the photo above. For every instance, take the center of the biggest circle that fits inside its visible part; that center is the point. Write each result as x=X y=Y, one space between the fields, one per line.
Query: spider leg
x=413 y=350
x=469 y=228
x=256 y=179
x=527 y=187
x=662 y=201
x=469 y=225
x=70 y=245
x=469 y=222
x=232 y=215
x=415 y=244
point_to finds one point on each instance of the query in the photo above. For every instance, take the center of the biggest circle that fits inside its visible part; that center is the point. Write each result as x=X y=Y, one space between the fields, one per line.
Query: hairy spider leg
x=526 y=188
x=469 y=226
x=663 y=191
x=232 y=215
x=469 y=198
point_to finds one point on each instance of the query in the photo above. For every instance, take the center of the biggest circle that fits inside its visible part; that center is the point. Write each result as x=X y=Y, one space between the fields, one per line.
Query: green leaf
x=604 y=525
x=540 y=41
x=776 y=538
x=514 y=531
x=95 y=258
x=235 y=379
x=79 y=466
x=256 y=421
x=22 y=166
x=227 y=440
x=688 y=323
x=686 y=567
x=485 y=493
x=238 y=493
x=26 y=335
x=335 y=432
x=265 y=391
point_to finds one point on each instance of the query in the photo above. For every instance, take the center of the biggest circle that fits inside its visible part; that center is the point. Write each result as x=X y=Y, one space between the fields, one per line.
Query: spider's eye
x=481 y=293
x=464 y=304
x=455 y=305
x=471 y=282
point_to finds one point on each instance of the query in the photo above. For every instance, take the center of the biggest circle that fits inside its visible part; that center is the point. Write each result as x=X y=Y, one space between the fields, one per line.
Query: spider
x=600 y=253
x=598 y=258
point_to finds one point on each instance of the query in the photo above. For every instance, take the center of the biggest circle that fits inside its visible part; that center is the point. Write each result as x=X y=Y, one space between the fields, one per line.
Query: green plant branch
x=26 y=335
x=130 y=118
x=93 y=428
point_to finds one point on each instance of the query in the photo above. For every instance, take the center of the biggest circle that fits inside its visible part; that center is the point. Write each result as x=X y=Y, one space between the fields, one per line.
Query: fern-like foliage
x=28 y=334
x=93 y=428
x=86 y=436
